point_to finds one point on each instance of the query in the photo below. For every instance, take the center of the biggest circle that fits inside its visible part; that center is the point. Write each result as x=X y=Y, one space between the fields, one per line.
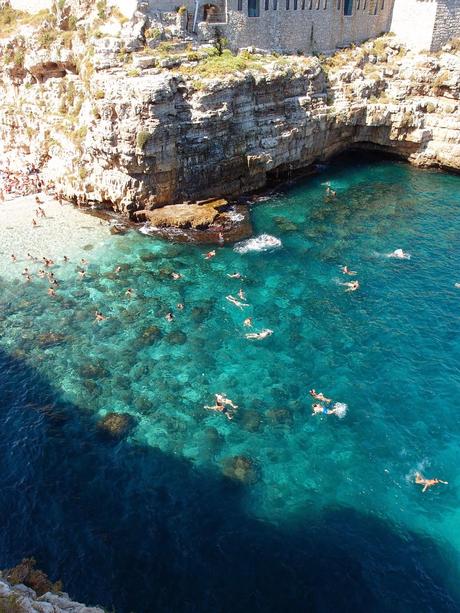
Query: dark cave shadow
x=135 y=529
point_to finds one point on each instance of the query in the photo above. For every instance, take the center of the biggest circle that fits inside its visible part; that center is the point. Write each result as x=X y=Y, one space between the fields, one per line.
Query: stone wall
x=447 y=23
x=306 y=25
x=413 y=22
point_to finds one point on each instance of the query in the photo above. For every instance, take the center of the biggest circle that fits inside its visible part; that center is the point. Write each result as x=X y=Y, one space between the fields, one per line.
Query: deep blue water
x=333 y=521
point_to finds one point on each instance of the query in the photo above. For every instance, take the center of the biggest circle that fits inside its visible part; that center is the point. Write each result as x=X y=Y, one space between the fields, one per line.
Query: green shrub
x=101 y=7
x=133 y=72
x=99 y=94
x=46 y=38
x=141 y=139
x=152 y=33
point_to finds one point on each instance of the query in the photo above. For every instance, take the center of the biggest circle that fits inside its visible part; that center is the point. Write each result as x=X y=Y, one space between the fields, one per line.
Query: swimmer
x=82 y=273
x=13 y=258
x=41 y=274
x=34 y=223
x=51 y=291
x=209 y=255
x=129 y=293
x=223 y=400
x=247 y=322
x=236 y=302
x=28 y=278
x=399 y=254
x=176 y=276
x=352 y=286
x=25 y=272
x=347 y=271
x=427 y=483
x=258 y=336
x=30 y=257
x=235 y=275
x=117 y=269
x=330 y=192
x=84 y=262
x=169 y=316
x=66 y=259
x=241 y=294
x=99 y=316
x=318 y=409
x=180 y=306
x=319 y=396
x=457 y=285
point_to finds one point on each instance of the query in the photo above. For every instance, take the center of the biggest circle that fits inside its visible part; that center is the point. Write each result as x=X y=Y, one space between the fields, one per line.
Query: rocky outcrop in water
x=114 y=117
x=25 y=589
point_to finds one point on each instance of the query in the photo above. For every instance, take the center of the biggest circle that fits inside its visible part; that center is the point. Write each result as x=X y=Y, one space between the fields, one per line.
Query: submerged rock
x=279 y=416
x=150 y=334
x=48 y=339
x=240 y=468
x=177 y=337
x=95 y=370
x=251 y=421
x=116 y=424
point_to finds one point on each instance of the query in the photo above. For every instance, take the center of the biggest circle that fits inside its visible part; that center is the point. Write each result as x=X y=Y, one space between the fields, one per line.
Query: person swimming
x=258 y=336
x=180 y=306
x=209 y=255
x=319 y=409
x=221 y=406
x=51 y=291
x=399 y=254
x=247 y=322
x=13 y=258
x=241 y=294
x=235 y=275
x=347 y=271
x=99 y=316
x=169 y=316
x=351 y=286
x=427 y=483
x=176 y=276
x=236 y=302
x=129 y=293
x=319 y=396
x=82 y=273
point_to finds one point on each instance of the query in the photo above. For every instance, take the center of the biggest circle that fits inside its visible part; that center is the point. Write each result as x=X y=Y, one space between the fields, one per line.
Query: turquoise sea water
x=331 y=518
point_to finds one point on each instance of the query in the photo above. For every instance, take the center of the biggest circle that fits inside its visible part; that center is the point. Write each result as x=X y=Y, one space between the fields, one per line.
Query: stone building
x=308 y=26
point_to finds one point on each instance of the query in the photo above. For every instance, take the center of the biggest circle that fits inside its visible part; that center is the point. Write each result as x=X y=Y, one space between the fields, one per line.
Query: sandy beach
x=64 y=231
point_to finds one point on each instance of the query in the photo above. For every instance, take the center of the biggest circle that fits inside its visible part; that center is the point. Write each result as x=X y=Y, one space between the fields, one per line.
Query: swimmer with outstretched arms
x=427 y=483
x=209 y=255
x=258 y=336
x=319 y=396
x=347 y=271
x=235 y=275
x=221 y=405
x=99 y=316
x=176 y=276
x=399 y=254
x=236 y=302
x=319 y=409
x=351 y=286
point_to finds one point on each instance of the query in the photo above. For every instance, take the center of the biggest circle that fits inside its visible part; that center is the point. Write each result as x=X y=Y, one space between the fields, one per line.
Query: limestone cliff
x=121 y=113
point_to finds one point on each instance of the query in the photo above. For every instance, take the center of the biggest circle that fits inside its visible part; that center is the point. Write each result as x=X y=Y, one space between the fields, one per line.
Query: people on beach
x=236 y=302
x=319 y=396
x=258 y=336
x=427 y=483
x=351 y=286
x=209 y=255
x=347 y=271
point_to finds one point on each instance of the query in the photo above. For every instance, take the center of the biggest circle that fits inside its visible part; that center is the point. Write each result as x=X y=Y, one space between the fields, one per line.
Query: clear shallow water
x=334 y=521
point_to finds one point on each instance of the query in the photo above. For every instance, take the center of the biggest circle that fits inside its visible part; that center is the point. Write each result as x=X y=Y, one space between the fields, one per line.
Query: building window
x=364 y=4
x=275 y=5
x=348 y=7
x=253 y=8
x=287 y=5
x=373 y=7
x=357 y=5
x=295 y=5
x=303 y=5
x=382 y=6
x=267 y=4
x=310 y=5
x=325 y=4
x=338 y=5
x=240 y=5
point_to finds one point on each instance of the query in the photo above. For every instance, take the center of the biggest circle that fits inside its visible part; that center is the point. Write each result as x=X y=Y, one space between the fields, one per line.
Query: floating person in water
x=169 y=316
x=241 y=294
x=247 y=322
x=180 y=306
x=176 y=276
x=399 y=254
x=31 y=257
x=427 y=483
x=13 y=258
x=82 y=273
x=235 y=275
x=319 y=396
x=66 y=259
x=129 y=293
x=41 y=274
x=210 y=254
x=34 y=223
x=84 y=262
x=258 y=336
x=51 y=292
x=221 y=406
x=339 y=409
x=347 y=271
x=28 y=278
x=99 y=316
x=117 y=270
x=236 y=302
x=25 y=272
x=351 y=286
x=457 y=285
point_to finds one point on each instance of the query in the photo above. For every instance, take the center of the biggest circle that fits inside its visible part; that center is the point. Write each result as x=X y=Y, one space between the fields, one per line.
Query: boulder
x=116 y=425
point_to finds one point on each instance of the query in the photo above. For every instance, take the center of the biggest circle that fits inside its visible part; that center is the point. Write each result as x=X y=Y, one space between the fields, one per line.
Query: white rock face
x=26 y=601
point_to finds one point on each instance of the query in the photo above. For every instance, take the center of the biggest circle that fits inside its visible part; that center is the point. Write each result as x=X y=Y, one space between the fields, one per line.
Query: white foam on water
x=234 y=216
x=340 y=409
x=264 y=242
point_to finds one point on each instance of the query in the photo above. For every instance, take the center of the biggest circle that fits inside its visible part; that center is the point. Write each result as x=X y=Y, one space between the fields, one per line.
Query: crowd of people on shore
x=14 y=184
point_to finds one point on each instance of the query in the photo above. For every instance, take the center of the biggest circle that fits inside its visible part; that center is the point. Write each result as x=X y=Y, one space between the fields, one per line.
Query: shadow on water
x=134 y=529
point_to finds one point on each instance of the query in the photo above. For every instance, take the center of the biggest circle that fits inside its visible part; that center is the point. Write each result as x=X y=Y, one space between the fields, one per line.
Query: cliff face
x=160 y=128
